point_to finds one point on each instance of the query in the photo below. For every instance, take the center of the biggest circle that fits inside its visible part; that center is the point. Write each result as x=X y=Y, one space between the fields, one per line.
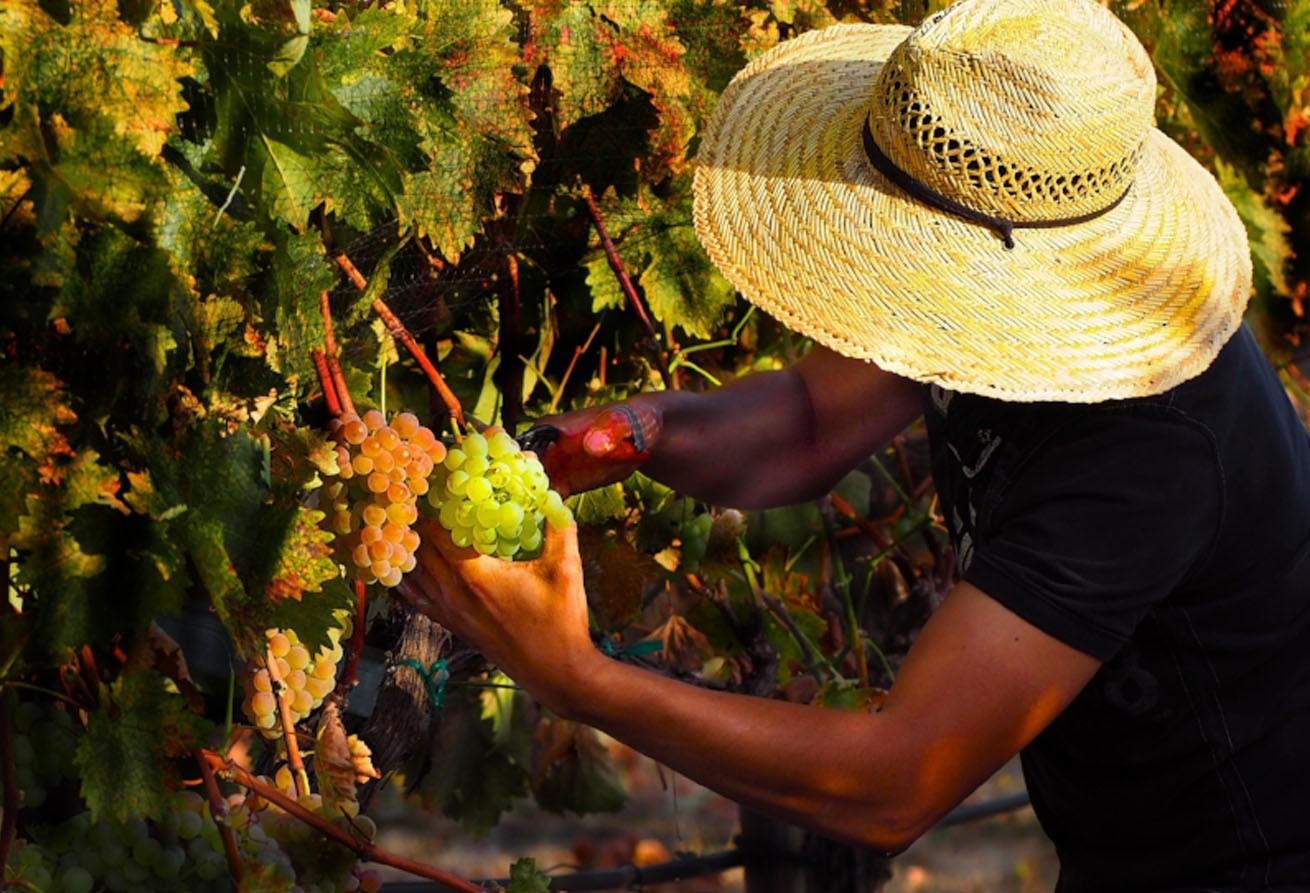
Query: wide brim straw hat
x=1126 y=270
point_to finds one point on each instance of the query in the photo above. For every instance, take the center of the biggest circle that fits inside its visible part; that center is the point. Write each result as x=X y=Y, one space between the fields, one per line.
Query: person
x=976 y=221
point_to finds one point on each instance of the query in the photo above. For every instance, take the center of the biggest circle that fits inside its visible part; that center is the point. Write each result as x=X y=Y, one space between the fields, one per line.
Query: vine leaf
x=599 y=505
x=526 y=877
x=572 y=770
x=334 y=766
x=122 y=758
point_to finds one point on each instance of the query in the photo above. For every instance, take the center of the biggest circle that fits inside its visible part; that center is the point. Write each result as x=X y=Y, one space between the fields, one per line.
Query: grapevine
x=183 y=187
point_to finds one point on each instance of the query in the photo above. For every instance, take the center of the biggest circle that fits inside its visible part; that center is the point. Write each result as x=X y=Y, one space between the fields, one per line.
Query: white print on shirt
x=962 y=527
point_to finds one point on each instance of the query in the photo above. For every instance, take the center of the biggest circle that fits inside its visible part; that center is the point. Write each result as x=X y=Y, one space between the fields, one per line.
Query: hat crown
x=1026 y=110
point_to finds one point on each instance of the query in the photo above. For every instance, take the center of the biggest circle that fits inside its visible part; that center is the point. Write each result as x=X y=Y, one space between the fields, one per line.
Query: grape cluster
x=183 y=852
x=43 y=749
x=493 y=496
x=308 y=680
x=371 y=507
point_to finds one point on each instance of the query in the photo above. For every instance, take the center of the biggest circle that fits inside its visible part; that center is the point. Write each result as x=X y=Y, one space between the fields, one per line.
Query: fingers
x=479 y=571
x=419 y=589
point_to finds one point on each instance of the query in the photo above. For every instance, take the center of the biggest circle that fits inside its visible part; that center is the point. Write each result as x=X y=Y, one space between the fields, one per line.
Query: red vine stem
x=629 y=290
x=843 y=507
x=348 y=677
x=219 y=810
x=366 y=850
x=325 y=381
x=333 y=358
x=9 y=825
x=402 y=334
x=288 y=727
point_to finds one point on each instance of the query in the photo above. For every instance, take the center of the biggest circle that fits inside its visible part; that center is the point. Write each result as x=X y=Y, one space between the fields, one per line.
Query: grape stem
x=348 y=677
x=288 y=727
x=344 y=402
x=402 y=334
x=366 y=850
x=219 y=811
x=9 y=824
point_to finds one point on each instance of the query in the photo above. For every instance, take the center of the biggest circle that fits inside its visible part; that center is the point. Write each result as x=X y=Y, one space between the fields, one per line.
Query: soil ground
x=667 y=815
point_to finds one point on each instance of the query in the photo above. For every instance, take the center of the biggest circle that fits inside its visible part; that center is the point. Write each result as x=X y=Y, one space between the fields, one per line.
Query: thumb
x=560 y=545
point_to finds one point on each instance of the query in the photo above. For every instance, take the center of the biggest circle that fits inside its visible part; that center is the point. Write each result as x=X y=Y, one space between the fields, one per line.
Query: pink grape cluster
x=372 y=506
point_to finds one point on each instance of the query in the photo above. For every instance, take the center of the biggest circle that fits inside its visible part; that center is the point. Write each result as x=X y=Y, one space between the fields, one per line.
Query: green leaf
x=599 y=505
x=95 y=67
x=471 y=780
x=122 y=757
x=1266 y=229
x=606 y=293
x=33 y=408
x=572 y=771
x=526 y=877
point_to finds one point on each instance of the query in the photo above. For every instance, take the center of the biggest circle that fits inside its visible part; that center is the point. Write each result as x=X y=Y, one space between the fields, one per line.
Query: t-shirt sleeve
x=1107 y=518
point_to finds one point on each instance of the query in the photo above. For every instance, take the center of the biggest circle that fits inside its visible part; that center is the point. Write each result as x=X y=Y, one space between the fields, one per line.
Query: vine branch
x=629 y=290
x=511 y=362
x=219 y=811
x=402 y=334
x=333 y=357
x=366 y=850
x=325 y=381
x=288 y=727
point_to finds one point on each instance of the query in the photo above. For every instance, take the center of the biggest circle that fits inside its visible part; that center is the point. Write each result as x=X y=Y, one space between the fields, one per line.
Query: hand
x=527 y=617
x=598 y=446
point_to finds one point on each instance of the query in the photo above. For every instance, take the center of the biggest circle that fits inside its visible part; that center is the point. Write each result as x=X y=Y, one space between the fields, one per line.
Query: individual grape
x=189 y=825
x=278 y=644
x=263 y=702
x=480 y=489
x=75 y=880
x=298 y=657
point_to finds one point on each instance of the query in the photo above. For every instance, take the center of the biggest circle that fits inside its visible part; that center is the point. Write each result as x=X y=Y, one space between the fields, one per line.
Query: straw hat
x=858 y=183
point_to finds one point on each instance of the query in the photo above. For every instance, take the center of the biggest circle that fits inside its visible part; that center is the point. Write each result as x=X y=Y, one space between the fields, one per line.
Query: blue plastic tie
x=434 y=679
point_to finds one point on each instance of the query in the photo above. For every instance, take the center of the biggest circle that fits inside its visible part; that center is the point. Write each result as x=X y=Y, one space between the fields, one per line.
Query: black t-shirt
x=1168 y=537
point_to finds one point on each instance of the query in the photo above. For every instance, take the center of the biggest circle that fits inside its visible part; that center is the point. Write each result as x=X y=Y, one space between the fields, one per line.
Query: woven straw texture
x=1030 y=110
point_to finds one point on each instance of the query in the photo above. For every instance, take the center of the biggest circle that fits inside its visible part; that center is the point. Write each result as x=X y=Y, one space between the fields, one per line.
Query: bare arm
x=977 y=686
x=767 y=439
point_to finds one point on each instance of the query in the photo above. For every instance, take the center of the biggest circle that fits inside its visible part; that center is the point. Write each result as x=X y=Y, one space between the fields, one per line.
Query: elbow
x=888 y=829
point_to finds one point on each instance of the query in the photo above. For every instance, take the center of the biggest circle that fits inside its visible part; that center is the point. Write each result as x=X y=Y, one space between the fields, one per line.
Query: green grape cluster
x=494 y=497
x=183 y=852
x=43 y=749
x=372 y=504
x=308 y=679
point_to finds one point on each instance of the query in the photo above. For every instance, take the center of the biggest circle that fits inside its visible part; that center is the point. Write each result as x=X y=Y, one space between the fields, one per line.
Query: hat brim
x=787 y=206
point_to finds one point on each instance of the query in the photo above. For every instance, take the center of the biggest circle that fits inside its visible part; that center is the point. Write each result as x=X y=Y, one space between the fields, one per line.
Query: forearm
x=743 y=445
x=841 y=774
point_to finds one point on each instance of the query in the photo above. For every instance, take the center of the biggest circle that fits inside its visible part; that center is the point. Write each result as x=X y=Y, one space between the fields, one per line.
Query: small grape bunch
x=493 y=496
x=373 y=503
x=308 y=678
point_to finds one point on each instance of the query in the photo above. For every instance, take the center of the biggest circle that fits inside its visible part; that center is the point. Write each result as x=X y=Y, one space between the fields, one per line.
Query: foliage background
x=175 y=180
